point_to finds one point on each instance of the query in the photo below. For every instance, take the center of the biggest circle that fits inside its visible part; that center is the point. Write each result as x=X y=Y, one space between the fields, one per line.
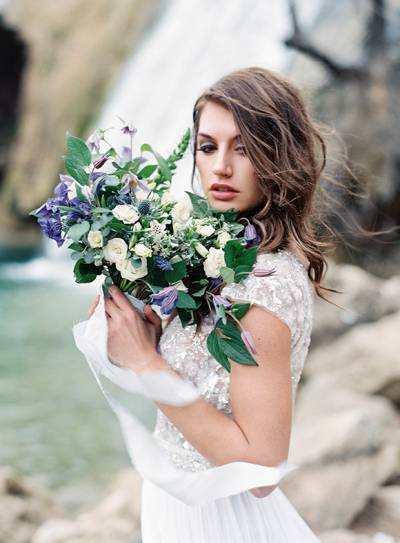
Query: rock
x=366 y=298
x=382 y=512
x=329 y=496
x=348 y=424
x=365 y=359
x=64 y=83
x=116 y=518
x=346 y=536
x=350 y=448
x=24 y=505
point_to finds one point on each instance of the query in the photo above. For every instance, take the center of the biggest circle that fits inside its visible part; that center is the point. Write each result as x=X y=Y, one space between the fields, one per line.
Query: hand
x=132 y=340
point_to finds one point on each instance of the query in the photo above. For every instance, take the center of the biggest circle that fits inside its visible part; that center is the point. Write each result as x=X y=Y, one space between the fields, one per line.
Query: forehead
x=217 y=121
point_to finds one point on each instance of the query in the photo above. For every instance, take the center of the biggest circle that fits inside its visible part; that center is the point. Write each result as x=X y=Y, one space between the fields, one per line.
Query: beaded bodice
x=288 y=293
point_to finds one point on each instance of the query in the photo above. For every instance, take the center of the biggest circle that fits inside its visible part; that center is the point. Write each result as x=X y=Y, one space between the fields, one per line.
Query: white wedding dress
x=185 y=499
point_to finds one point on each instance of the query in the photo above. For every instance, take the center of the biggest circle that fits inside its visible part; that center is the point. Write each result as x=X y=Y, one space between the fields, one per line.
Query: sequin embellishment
x=288 y=293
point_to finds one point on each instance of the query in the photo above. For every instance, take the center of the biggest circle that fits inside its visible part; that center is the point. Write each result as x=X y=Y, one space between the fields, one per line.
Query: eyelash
x=203 y=148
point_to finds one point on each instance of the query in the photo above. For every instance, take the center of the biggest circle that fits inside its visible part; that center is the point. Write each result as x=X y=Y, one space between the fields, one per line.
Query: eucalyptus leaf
x=227 y=274
x=78 y=230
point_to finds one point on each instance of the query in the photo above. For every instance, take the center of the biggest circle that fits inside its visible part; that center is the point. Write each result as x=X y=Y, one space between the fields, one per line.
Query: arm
x=259 y=430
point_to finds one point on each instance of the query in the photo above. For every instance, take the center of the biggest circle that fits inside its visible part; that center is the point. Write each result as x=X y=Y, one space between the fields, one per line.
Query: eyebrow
x=236 y=137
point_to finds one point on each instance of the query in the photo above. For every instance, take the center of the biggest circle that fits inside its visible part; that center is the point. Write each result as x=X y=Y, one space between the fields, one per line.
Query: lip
x=228 y=188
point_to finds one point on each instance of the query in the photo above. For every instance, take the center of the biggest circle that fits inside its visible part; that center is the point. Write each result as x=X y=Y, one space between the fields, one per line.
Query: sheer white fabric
x=184 y=497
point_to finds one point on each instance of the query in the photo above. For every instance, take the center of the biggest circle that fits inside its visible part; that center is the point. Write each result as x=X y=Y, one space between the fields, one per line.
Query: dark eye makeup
x=208 y=147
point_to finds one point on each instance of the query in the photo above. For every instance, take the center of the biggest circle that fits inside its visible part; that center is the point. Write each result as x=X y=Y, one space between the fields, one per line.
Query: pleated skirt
x=241 y=518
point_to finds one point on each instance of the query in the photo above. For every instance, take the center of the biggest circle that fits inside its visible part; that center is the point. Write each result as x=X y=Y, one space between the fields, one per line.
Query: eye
x=206 y=148
x=241 y=149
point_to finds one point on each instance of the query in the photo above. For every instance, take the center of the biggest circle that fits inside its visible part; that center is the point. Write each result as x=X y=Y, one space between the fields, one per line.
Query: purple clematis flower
x=128 y=128
x=248 y=341
x=79 y=210
x=166 y=299
x=220 y=300
x=216 y=282
x=250 y=233
x=93 y=142
x=51 y=227
x=97 y=164
x=263 y=272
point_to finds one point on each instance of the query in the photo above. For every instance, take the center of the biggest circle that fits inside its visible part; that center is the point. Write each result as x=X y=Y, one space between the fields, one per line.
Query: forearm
x=214 y=434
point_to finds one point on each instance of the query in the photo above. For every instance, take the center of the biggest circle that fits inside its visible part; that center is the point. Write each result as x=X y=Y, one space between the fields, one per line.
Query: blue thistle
x=163 y=263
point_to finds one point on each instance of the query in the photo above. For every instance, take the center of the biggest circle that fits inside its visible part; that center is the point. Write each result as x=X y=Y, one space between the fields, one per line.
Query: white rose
x=203 y=251
x=205 y=230
x=128 y=271
x=142 y=250
x=95 y=238
x=125 y=213
x=182 y=210
x=115 y=250
x=223 y=238
x=137 y=226
x=214 y=262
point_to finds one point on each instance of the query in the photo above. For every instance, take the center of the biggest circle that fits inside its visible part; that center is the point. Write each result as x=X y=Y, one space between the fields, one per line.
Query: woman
x=257 y=151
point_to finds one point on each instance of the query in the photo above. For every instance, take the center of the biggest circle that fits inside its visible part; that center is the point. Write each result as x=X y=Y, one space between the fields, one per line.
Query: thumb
x=152 y=316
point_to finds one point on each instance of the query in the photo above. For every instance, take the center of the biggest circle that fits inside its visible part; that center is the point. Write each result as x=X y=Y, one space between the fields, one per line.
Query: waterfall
x=190 y=45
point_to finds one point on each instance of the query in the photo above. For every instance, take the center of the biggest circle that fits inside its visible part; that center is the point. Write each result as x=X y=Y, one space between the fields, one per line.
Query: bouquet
x=119 y=215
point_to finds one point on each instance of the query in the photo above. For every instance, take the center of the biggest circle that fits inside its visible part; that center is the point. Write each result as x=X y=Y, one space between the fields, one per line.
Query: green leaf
x=237 y=352
x=78 y=230
x=76 y=247
x=162 y=163
x=185 y=301
x=214 y=348
x=239 y=310
x=76 y=171
x=186 y=317
x=233 y=346
x=178 y=272
x=232 y=251
x=78 y=150
x=147 y=171
x=199 y=203
x=101 y=221
x=86 y=273
x=199 y=292
x=118 y=226
x=227 y=274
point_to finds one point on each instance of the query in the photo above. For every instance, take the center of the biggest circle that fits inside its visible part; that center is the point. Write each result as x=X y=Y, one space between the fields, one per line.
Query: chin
x=223 y=206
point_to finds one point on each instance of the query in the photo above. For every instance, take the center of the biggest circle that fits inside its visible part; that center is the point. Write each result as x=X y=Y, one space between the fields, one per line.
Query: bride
x=257 y=150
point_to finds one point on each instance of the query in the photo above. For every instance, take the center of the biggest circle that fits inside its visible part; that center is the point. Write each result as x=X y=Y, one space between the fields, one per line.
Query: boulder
x=382 y=512
x=365 y=298
x=24 y=505
x=364 y=359
x=116 y=518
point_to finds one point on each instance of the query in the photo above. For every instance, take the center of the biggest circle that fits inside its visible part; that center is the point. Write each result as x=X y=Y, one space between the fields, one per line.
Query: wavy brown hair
x=288 y=153
x=287 y=149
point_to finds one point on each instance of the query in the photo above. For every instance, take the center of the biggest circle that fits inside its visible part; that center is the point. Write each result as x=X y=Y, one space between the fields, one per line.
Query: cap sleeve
x=279 y=293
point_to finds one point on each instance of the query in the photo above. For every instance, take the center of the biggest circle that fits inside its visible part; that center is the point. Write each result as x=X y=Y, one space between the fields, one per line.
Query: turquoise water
x=55 y=425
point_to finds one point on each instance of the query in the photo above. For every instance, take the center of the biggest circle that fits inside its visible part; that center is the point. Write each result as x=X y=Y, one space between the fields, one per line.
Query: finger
x=119 y=298
x=152 y=316
x=111 y=308
x=93 y=306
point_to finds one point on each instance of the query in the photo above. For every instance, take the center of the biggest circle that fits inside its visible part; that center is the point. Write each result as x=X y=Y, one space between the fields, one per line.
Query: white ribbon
x=147 y=456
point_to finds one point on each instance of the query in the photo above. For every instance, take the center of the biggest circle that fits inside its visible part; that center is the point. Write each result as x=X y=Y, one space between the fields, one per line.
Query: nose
x=222 y=166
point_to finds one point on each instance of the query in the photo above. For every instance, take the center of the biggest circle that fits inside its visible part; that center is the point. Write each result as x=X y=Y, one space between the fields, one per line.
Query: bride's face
x=221 y=160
